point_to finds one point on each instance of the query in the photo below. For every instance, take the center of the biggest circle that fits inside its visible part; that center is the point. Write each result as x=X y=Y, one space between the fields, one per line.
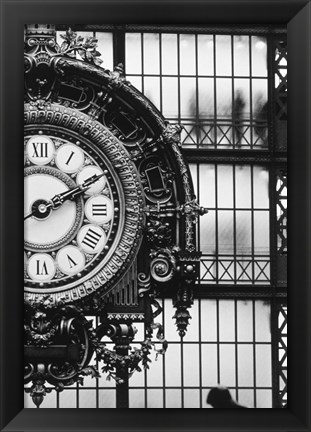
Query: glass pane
x=136 y=398
x=105 y=47
x=224 y=98
x=152 y=90
x=261 y=233
x=151 y=53
x=261 y=187
x=87 y=398
x=208 y=232
x=263 y=399
x=206 y=98
x=155 y=373
x=262 y=321
x=246 y=398
x=191 y=364
x=209 y=365
x=173 y=398
x=188 y=103
x=225 y=232
x=187 y=54
x=241 y=100
x=259 y=56
x=173 y=366
x=245 y=366
x=223 y=55
x=241 y=55
x=260 y=98
x=245 y=320
x=155 y=398
x=169 y=54
x=133 y=53
x=243 y=186
x=225 y=186
x=67 y=399
x=263 y=365
x=106 y=399
x=208 y=320
x=227 y=365
x=170 y=328
x=207 y=185
x=170 y=97
x=191 y=398
x=205 y=55
x=226 y=321
x=135 y=81
x=243 y=232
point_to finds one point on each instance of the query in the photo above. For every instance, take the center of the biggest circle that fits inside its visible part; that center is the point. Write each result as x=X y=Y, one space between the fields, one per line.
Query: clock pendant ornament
x=109 y=217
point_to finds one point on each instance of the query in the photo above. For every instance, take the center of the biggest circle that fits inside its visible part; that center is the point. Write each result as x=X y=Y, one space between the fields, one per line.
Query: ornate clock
x=83 y=206
x=109 y=216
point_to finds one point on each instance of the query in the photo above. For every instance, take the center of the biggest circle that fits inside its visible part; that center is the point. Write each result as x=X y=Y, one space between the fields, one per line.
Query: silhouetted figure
x=220 y=397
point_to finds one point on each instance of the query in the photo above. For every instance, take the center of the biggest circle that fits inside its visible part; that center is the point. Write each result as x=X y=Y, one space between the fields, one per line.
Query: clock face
x=76 y=212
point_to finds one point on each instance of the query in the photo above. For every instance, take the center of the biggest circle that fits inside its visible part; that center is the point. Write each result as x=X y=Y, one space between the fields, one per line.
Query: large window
x=228 y=89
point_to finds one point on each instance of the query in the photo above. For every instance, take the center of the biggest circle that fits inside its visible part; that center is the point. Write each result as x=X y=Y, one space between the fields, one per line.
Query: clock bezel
x=57 y=119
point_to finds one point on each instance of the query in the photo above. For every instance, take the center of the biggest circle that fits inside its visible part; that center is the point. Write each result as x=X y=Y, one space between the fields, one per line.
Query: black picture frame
x=14 y=14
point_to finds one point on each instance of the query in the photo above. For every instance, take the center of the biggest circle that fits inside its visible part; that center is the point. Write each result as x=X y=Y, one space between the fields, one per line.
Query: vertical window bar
x=215 y=96
x=178 y=76
x=161 y=73
x=163 y=361
x=142 y=63
x=250 y=92
x=254 y=353
x=197 y=114
x=200 y=351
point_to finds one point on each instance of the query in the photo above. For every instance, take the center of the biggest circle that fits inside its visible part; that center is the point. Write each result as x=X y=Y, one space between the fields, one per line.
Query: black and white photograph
x=155 y=216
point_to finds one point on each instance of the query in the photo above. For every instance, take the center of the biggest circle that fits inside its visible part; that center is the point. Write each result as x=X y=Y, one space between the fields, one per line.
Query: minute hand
x=72 y=194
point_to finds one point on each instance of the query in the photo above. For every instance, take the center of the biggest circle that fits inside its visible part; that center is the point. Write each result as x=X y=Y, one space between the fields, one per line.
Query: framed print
x=158 y=270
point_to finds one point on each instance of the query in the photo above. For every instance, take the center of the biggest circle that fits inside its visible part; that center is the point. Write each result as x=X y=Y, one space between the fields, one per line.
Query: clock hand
x=71 y=194
x=42 y=207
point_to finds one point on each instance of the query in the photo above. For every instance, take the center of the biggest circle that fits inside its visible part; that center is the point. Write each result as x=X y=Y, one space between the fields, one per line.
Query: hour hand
x=72 y=194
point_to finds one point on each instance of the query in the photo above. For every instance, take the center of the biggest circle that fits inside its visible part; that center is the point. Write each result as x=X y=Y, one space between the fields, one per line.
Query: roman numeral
x=71 y=261
x=43 y=270
x=69 y=159
x=40 y=149
x=91 y=238
x=99 y=209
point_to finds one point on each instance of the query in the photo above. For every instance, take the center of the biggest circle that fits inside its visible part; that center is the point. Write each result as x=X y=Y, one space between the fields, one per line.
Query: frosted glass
x=224 y=99
x=187 y=54
x=191 y=364
x=191 y=398
x=225 y=186
x=261 y=233
x=243 y=186
x=261 y=187
x=245 y=366
x=209 y=365
x=264 y=399
x=192 y=334
x=207 y=185
x=227 y=365
x=263 y=365
x=205 y=55
x=136 y=398
x=223 y=55
x=225 y=232
x=241 y=55
x=245 y=320
x=170 y=97
x=206 y=98
x=259 y=56
x=155 y=372
x=226 y=321
x=208 y=320
x=154 y=398
x=87 y=398
x=208 y=233
x=106 y=399
x=188 y=97
x=243 y=233
x=152 y=90
x=133 y=58
x=169 y=54
x=151 y=53
x=173 y=366
x=67 y=399
x=173 y=399
x=262 y=321
x=241 y=100
x=105 y=47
